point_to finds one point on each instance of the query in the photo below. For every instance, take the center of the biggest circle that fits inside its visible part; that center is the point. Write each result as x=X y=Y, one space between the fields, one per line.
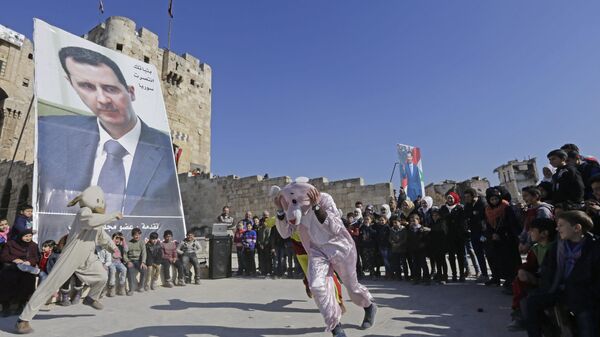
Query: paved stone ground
x=254 y=307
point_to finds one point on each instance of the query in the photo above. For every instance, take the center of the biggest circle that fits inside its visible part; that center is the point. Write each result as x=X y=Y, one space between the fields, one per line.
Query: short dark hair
x=24 y=207
x=153 y=235
x=117 y=234
x=533 y=190
x=49 y=243
x=168 y=232
x=577 y=217
x=544 y=224
x=225 y=207
x=573 y=154
x=595 y=179
x=87 y=56
x=358 y=202
x=570 y=147
x=414 y=215
x=136 y=230
x=471 y=191
x=557 y=153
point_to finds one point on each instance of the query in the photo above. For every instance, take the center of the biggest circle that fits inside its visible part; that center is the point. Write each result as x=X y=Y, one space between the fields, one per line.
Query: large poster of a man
x=101 y=120
x=411 y=171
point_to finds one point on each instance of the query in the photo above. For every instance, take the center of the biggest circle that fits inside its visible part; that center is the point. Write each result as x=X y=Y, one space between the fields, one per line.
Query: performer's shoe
x=369 y=319
x=197 y=282
x=23 y=327
x=65 y=301
x=169 y=284
x=93 y=303
x=77 y=298
x=338 y=331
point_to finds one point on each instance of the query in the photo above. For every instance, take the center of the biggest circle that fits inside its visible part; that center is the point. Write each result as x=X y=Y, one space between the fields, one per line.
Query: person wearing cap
x=567 y=185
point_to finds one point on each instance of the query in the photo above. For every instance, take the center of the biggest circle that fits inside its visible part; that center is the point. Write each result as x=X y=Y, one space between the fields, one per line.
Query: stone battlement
x=203 y=198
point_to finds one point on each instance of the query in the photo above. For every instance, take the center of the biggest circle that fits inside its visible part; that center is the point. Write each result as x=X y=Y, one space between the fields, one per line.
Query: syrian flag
x=101 y=6
x=171 y=8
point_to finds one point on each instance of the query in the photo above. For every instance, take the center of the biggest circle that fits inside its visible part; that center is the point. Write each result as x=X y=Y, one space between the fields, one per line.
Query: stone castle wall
x=16 y=191
x=16 y=91
x=186 y=84
x=203 y=198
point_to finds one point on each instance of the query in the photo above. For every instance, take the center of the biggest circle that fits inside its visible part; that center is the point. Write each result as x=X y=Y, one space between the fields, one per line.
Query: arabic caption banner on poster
x=100 y=120
x=411 y=171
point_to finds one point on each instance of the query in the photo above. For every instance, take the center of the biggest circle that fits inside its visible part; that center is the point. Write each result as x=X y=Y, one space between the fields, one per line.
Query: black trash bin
x=219 y=256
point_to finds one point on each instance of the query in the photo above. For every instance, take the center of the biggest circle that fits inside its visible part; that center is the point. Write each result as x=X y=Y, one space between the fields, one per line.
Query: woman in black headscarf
x=18 y=277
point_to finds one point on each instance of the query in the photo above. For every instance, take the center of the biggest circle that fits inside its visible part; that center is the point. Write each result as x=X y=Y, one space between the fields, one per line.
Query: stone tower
x=186 y=86
x=16 y=90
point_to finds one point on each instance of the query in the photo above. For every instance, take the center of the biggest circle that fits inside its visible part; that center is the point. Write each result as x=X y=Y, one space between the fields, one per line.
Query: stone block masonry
x=203 y=198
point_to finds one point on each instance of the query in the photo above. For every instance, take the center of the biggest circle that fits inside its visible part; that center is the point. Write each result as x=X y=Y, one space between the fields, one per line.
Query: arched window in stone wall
x=5 y=199
x=23 y=196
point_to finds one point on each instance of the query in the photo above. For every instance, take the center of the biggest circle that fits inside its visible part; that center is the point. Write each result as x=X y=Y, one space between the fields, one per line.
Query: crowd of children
x=133 y=265
x=544 y=252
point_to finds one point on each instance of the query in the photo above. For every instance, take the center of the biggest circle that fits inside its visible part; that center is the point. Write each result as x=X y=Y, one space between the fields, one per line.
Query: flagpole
x=169 y=36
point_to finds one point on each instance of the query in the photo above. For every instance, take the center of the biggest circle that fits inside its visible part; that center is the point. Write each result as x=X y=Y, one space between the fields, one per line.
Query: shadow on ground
x=274 y=306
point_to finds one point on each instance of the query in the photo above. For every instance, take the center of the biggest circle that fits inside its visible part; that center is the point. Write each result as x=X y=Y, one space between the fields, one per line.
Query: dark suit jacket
x=66 y=153
x=414 y=178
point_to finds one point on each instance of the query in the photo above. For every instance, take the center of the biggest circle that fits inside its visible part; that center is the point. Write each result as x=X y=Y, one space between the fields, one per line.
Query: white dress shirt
x=129 y=141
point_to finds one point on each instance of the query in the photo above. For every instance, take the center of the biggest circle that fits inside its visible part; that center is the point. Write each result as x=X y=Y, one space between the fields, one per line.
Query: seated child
x=187 y=250
x=169 y=257
x=541 y=232
x=136 y=261
x=4 y=230
x=154 y=259
x=117 y=266
x=570 y=275
x=47 y=251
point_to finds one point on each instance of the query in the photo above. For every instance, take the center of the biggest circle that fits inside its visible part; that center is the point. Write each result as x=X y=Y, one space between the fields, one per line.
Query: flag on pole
x=171 y=8
x=101 y=6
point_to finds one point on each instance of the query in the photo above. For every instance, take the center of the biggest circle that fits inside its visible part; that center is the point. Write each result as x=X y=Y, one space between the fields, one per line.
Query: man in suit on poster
x=114 y=149
x=410 y=172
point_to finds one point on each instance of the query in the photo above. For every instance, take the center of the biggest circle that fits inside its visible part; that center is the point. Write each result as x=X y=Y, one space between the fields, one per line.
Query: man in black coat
x=567 y=185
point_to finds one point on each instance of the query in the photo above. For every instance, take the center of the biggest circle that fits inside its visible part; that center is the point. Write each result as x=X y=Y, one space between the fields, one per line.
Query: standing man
x=411 y=173
x=226 y=218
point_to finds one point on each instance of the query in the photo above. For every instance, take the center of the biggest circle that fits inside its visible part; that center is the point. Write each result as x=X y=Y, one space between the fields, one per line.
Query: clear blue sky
x=327 y=88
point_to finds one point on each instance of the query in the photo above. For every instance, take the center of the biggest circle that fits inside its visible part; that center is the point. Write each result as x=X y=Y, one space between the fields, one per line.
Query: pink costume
x=329 y=246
